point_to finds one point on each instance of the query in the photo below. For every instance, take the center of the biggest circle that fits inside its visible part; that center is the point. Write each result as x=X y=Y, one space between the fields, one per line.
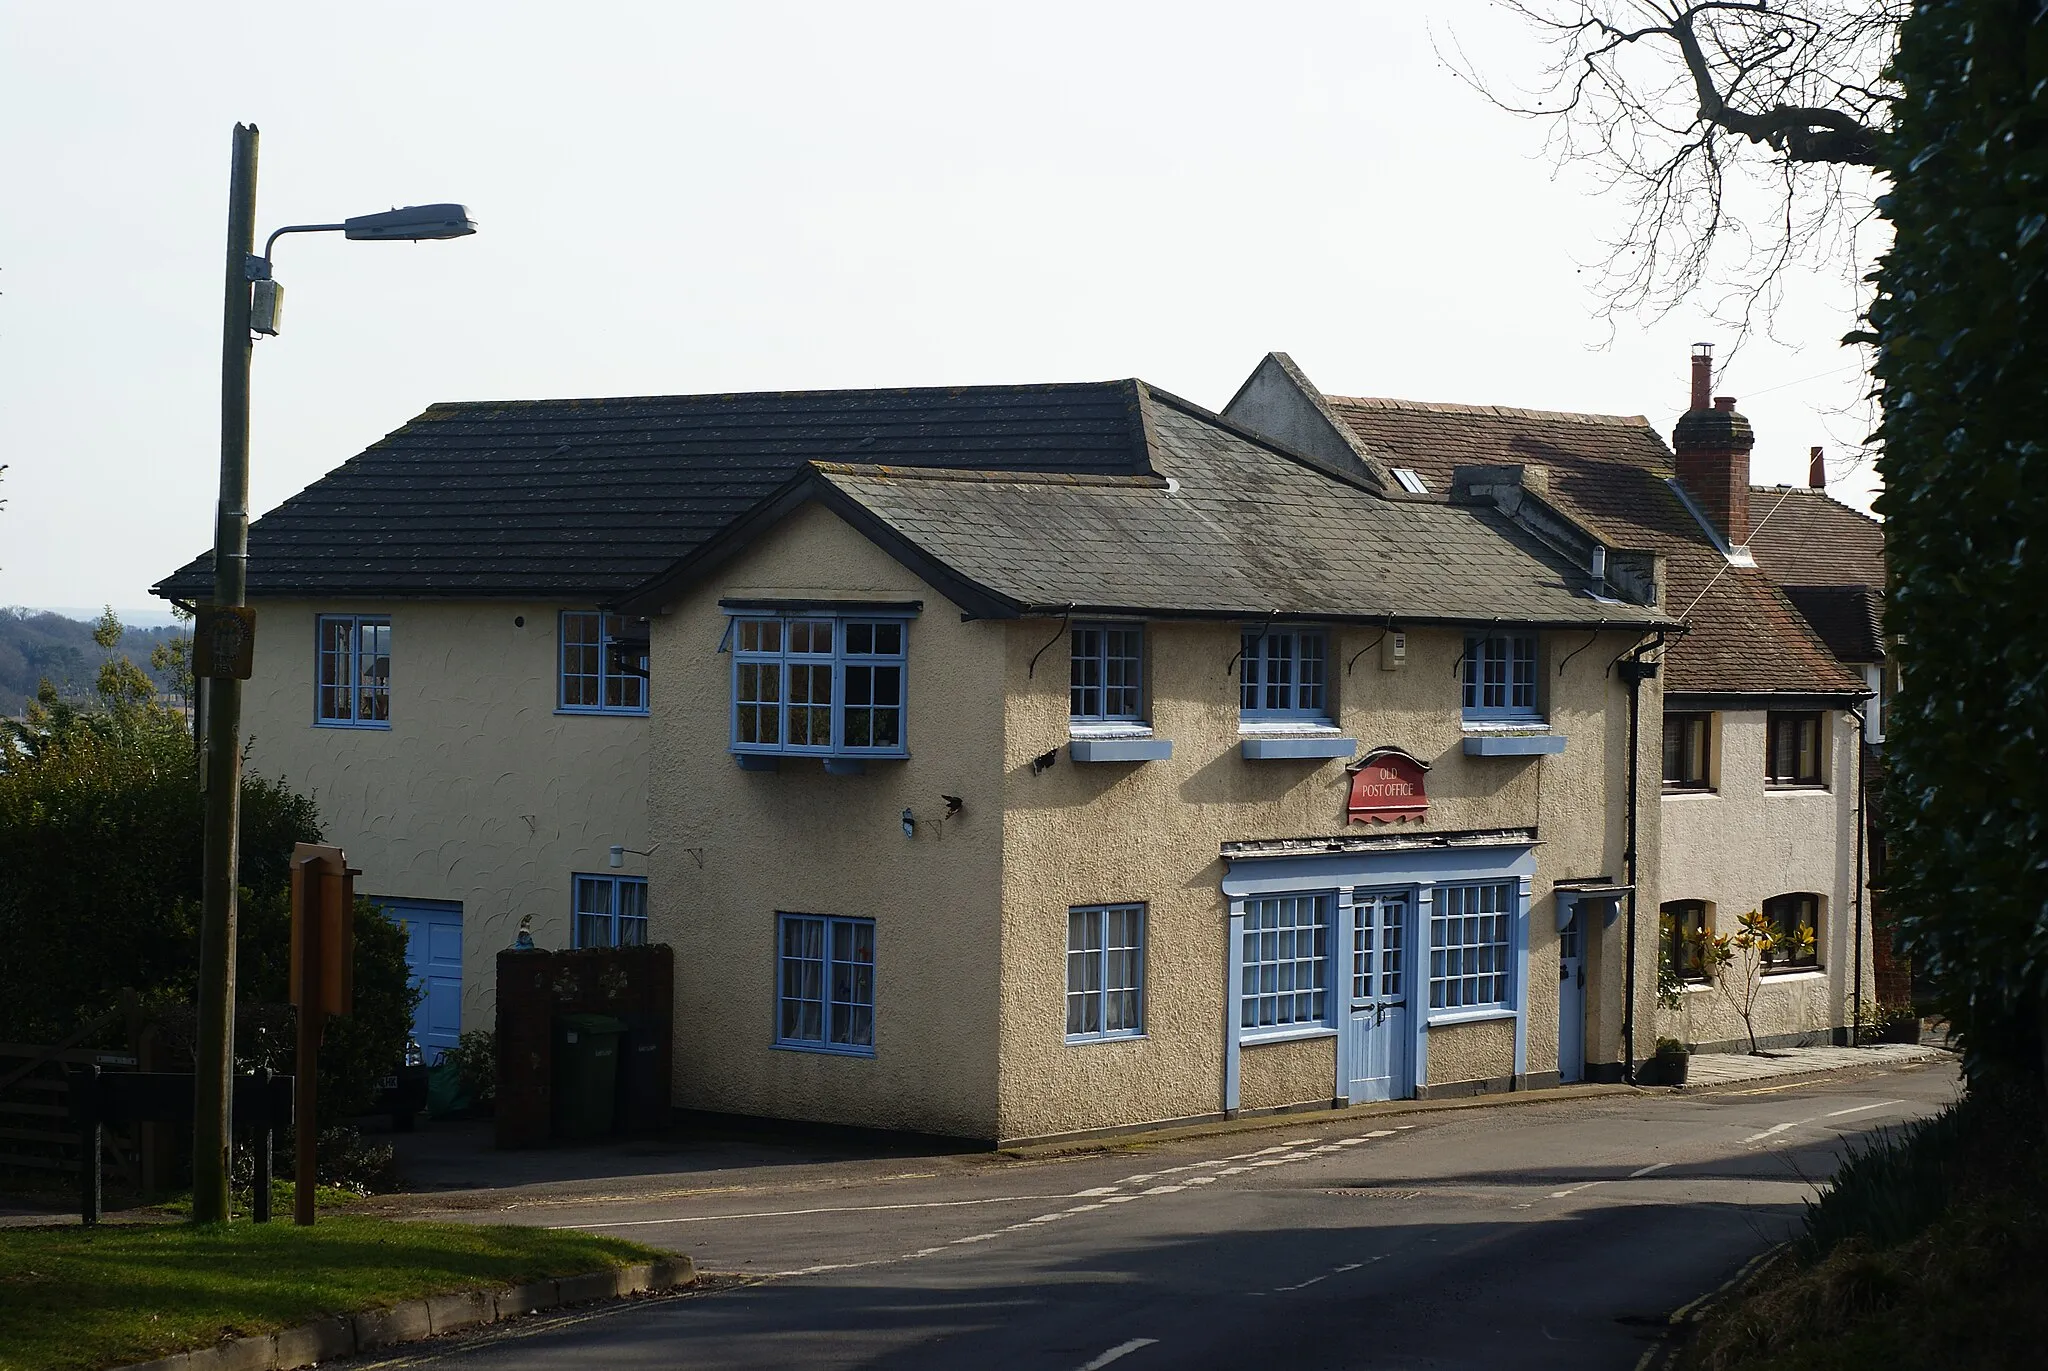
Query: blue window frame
x=1471 y=946
x=1286 y=978
x=611 y=911
x=1283 y=675
x=825 y=984
x=1500 y=676
x=352 y=671
x=1105 y=972
x=596 y=668
x=1107 y=674
x=822 y=684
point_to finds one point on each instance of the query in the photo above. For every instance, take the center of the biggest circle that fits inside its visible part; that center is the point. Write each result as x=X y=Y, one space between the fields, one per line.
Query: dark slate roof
x=1226 y=525
x=1806 y=537
x=587 y=498
x=1849 y=619
x=1612 y=473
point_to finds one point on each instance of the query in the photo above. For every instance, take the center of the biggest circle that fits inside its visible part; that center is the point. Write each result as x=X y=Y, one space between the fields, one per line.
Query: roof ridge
x=1493 y=411
x=1831 y=498
x=1028 y=387
x=991 y=475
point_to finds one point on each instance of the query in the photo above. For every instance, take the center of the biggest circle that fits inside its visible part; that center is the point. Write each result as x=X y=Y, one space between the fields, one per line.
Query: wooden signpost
x=323 y=983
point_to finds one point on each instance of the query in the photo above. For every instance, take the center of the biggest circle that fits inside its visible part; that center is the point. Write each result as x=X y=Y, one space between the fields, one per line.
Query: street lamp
x=413 y=224
x=226 y=628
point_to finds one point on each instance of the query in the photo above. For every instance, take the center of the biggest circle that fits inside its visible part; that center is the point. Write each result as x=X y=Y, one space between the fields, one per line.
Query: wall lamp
x=618 y=853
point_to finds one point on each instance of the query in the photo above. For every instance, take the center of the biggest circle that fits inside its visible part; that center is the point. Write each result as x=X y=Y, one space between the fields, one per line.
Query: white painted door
x=1378 y=1044
x=1571 y=998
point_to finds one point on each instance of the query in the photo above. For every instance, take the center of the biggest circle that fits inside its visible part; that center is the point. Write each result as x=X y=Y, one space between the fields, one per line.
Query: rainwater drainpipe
x=1856 y=987
x=1635 y=671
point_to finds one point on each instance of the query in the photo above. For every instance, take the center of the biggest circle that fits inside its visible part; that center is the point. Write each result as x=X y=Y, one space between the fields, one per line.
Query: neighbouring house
x=1757 y=716
x=1829 y=558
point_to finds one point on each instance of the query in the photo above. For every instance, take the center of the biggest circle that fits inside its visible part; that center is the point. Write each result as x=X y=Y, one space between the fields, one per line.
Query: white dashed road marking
x=1122 y=1349
x=1776 y=1129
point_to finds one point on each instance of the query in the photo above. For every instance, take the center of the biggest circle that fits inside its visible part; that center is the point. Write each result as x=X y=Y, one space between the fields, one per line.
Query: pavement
x=1710 y=1069
x=1559 y=1233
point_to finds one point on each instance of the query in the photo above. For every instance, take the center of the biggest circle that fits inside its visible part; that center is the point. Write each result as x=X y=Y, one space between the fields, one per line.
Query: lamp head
x=413 y=223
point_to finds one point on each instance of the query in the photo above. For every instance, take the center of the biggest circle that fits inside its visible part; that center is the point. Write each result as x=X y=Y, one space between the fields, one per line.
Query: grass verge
x=1929 y=1250
x=75 y=1299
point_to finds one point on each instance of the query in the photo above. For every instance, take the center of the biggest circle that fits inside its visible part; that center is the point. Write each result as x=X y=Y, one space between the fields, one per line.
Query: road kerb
x=326 y=1339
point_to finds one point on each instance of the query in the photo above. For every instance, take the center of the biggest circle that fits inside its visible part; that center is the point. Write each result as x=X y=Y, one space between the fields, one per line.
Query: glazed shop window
x=1283 y=675
x=1795 y=932
x=611 y=911
x=825 y=984
x=1286 y=978
x=1500 y=676
x=1793 y=754
x=827 y=685
x=1470 y=938
x=352 y=671
x=1682 y=936
x=1105 y=972
x=1687 y=737
x=604 y=665
x=1106 y=677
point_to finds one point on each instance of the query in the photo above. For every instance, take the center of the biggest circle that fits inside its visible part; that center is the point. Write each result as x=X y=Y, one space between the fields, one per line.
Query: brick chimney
x=1712 y=442
x=1816 y=471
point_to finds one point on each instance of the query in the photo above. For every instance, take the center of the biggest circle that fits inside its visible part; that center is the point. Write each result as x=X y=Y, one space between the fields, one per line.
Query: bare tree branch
x=1742 y=135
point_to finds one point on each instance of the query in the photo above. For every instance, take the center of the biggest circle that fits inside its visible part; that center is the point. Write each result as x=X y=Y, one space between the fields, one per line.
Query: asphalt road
x=1540 y=1235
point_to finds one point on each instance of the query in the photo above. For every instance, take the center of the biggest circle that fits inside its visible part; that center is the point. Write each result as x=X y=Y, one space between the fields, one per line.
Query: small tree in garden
x=1735 y=962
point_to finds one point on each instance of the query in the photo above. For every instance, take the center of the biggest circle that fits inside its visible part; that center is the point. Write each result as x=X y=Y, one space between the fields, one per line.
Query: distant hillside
x=37 y=645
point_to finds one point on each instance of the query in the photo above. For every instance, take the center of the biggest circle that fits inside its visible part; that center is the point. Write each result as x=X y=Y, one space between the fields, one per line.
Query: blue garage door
x=433 y=954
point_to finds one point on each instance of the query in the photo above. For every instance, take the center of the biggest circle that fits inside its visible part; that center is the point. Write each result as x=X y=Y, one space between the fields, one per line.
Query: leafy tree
x=1961 y=323
x=100 y=839
x=1736 y=962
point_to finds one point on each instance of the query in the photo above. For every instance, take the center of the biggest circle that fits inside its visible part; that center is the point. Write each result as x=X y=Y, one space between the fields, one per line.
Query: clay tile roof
x=1612 y=472
x=1812 y=539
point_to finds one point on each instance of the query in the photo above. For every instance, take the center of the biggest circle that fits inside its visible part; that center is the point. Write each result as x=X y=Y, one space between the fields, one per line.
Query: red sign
x=1387 y=787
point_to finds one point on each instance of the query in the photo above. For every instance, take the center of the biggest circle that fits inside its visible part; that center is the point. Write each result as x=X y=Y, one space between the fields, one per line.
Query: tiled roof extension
x=1809 y=538
x=1611 y=472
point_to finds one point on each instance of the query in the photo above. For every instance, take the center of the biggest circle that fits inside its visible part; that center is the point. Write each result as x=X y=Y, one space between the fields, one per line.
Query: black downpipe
x=1856 y=987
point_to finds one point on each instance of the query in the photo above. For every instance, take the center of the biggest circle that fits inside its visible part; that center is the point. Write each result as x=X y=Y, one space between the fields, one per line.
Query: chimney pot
x=1725 y=403
x=1816 y=471
x=1702 y=374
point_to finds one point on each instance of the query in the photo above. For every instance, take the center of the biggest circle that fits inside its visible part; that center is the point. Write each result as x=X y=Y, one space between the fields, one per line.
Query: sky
x=688 y=197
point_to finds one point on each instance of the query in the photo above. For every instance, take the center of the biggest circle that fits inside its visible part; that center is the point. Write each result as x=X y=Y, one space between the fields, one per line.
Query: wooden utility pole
x=221 y=767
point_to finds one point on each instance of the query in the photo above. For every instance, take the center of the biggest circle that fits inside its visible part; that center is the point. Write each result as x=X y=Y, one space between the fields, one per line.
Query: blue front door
x=1571 y=998
x=1377 y=1040
x=433 y=956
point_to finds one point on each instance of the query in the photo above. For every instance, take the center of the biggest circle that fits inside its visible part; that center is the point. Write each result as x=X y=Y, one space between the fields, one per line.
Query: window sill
x=1083 y=1039
x=836 y=763
x=600 y=710
x=1673 y=792
x=1293 y=740
x=1532 y=738
x=1128 y=747
x=1259 y=1037
x=1794 y=788
x=1796 y=973
x=381 y=725
x=1695 y=988
x=1108 y=728
x=1448 y=1017
x=825 y=1050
